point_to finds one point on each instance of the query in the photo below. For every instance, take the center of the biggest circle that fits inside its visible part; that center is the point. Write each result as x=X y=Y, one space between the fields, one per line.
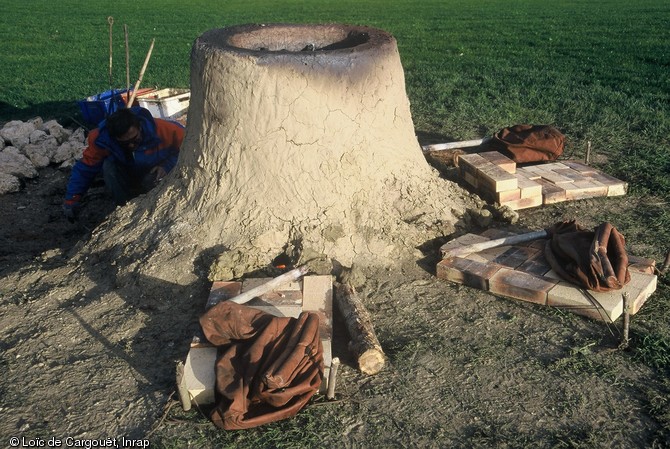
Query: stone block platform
x=497 y=179
x=521 y=272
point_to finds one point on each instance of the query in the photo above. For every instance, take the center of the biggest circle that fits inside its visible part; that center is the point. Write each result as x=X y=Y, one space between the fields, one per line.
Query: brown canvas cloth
x=529 y=143
x=595 y=260
x=267 y=367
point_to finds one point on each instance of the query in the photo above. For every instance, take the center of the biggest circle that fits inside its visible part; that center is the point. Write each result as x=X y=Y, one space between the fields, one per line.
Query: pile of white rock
x=27 y=146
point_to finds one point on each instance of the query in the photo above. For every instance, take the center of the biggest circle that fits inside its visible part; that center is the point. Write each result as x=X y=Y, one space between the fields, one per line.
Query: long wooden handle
x=454 y=145
x=110 y=20
x=511 y=240
x=125 y=32
x=144 y=68
x=272 y=284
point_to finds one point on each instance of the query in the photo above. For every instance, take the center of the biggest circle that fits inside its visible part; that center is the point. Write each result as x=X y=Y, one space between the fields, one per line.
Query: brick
x=551 y=193
x=474 y=160
x=571 y=174
x=519 y=285
x=583 y=189
x=580 y=167
x=515 y=256
x=615 y=187
x=469 y=166
x=528 y=187
x=554 y=177
x=496 y=179
x=467 y=272
x=537 y=266
x=524 y=203
x=491 y=254
x=522 y=272
x=508 y=195
x=470 y=179
x=284 y=301
x=223 y=290
x=477 y=257
x=500 y=160
x=528 y=172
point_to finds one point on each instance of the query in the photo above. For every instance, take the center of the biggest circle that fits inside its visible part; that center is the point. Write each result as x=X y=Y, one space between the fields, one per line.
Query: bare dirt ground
x=87 y=353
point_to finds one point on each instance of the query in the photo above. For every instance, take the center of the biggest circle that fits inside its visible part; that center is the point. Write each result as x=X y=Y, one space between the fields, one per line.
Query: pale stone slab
x=200 y=374
x=603 y=306
x=318 y=298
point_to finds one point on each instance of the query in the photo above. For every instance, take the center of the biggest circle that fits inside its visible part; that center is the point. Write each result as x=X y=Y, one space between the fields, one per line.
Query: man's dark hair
x=121 y=121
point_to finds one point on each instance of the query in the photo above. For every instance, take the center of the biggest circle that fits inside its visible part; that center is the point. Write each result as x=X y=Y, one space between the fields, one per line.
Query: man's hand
x=159 y=172
x=71 y=208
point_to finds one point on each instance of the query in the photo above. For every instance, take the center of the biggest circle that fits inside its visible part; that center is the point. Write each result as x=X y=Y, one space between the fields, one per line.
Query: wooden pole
x=666 y=264
x=332 y=377
x=626 y=320
x=125 y=32
x=454 y=145
x=110 y=20
x=511 y=240
x=364 y=344
x=587 y=159
x=272 y=284
x=144 y=67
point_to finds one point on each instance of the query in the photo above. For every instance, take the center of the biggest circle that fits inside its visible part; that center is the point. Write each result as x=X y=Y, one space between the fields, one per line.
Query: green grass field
x=597 y=70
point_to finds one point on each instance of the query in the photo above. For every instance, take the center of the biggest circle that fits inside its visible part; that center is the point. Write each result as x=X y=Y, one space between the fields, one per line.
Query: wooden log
x=364 y=344
x=332 y=378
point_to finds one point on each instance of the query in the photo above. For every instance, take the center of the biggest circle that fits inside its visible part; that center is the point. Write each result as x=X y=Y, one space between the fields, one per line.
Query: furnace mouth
x=301 y=38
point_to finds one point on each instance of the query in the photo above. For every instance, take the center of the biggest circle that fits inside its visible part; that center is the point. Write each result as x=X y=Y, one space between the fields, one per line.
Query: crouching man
x=133 y=150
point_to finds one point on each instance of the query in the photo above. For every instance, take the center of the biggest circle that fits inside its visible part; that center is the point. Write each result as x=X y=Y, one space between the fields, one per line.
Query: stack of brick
x=521 y=272
x=497 y=179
